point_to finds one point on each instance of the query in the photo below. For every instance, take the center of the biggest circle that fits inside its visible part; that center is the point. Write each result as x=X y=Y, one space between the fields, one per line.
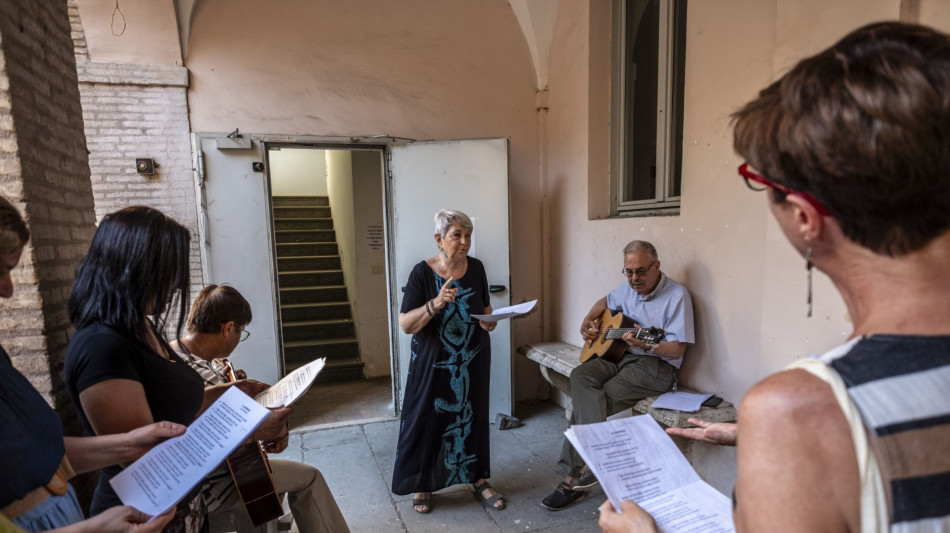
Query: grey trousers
x=311 y=502
x=600 y=388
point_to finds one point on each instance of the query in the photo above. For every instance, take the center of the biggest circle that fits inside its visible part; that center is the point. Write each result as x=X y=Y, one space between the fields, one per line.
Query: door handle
x=496 y=288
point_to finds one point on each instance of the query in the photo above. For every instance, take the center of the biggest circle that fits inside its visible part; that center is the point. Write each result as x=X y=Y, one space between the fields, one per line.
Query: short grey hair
x=641 y=246
x=446 y=217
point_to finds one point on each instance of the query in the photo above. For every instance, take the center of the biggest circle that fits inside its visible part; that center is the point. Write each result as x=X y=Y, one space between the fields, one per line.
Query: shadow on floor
x=357 y=461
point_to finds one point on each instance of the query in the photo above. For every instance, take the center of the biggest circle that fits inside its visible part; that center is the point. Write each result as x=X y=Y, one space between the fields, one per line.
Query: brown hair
x=13 y=231
x=864 y=127
x=217 y=305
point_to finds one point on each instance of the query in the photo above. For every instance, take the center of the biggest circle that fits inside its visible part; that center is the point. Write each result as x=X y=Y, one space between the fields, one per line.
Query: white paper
x=688 y=402
x=634 y=459
x=507 y=312
x=292 y=387
x=163 y=476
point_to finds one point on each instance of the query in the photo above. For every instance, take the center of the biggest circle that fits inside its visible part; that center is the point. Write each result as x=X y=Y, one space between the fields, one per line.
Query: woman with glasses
x=216 y=324
x=853 y=145
x=443 y=436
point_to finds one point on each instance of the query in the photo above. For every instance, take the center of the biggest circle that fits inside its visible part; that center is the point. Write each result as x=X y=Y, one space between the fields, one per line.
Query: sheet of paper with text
x=634 y=459
x=507 y=312
x=289 y=389
x=163 y=476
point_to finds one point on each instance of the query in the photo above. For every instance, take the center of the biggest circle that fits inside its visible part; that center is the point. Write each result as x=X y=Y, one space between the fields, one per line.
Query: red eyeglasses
x=748 y=176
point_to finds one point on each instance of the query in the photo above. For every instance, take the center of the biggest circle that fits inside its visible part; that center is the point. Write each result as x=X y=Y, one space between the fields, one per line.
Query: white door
x=237 y=247
x=470 y=176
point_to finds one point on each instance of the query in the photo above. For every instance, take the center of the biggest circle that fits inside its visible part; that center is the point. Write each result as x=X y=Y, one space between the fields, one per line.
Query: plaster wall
x=300 y=172
x=934 y=13
x=131 y=31
x=340 y=189
x=356 y=201
x=370 y=309
x=416 y=69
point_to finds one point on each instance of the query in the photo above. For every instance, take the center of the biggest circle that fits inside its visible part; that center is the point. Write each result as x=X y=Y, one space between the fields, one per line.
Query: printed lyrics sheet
x=292 y=387
x=164 y=475
x=634 y=459
x=507 y=312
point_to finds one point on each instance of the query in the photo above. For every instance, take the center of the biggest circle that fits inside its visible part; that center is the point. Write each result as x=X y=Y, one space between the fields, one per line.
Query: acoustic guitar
x=253 y=477
x=608 y=344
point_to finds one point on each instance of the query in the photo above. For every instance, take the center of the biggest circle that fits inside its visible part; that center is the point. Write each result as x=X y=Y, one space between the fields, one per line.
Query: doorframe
x=376 y=143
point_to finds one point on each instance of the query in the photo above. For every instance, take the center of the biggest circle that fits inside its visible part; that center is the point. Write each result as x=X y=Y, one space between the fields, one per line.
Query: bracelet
x=429 y=310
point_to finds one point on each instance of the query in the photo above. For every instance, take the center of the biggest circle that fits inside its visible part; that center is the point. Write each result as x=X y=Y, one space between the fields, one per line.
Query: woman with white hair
x=443 y=435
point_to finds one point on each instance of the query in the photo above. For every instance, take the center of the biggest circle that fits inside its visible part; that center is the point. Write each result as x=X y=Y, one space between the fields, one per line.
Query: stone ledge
x=131 y=74
x=558 y=359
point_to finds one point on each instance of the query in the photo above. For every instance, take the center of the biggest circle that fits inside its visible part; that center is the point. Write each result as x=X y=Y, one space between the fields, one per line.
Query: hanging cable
x=122 y=15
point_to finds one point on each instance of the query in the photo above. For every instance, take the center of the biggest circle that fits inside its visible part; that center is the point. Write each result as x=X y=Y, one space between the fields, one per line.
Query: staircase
x=315 y=314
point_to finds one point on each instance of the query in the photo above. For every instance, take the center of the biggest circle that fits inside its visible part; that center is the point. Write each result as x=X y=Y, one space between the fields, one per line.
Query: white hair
x=446 y=217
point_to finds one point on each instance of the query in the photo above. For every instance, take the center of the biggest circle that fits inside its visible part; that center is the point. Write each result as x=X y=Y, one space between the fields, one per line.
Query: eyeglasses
x=750 y=176
x=243 y=330
x=640 y=272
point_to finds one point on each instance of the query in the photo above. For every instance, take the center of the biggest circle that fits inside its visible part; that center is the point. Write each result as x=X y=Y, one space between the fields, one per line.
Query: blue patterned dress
x=443 y=432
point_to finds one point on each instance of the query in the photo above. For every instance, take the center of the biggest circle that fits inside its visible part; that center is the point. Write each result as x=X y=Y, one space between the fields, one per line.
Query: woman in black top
x=120 y=371
x=443 y=435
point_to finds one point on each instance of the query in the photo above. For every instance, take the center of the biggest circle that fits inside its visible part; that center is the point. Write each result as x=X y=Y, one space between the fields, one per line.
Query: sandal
x=423 y=501
x=490 y=500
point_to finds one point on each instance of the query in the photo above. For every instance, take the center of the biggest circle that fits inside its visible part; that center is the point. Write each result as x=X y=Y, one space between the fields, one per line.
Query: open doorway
x=328 y=212
x=381 y=219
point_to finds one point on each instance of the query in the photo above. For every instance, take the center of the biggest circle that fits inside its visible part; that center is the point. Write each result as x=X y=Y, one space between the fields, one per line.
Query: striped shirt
x=219 y=485
x=901 y=387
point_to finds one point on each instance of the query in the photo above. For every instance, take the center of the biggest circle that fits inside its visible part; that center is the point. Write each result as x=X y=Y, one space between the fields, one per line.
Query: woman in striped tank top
x=853 y=145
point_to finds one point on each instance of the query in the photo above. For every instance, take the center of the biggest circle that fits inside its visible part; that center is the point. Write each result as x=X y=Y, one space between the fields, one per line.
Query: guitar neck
x=613 y=334
x=229 y=371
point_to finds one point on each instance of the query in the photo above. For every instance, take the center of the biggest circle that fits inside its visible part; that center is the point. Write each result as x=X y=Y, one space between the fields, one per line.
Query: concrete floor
x=356 y=457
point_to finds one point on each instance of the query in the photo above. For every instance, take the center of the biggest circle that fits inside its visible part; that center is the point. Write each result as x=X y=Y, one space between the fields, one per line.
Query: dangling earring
x=808 y=267
x=445 y=255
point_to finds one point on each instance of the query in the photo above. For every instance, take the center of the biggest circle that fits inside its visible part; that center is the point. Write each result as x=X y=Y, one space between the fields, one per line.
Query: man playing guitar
x=600 y=387
x=216 y=324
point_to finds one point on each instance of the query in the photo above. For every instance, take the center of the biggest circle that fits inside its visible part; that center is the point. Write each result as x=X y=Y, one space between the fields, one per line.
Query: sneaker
x=587 y=479
x=561 y=498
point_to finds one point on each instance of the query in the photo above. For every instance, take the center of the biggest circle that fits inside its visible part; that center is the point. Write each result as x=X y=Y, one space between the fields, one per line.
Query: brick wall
x=43 y=170
x=138 y=111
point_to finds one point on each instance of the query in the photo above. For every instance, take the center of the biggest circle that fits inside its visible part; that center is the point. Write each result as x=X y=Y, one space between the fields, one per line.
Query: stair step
x=333 y=328
x=314 y=311
x=303 y=223
x=301 y=211
x=302 y=295
x=309 y=262
x=284 y=201
x=309 y=278
x=301 y=352
x=298 y=235
x=336 y=370
x=298 y=249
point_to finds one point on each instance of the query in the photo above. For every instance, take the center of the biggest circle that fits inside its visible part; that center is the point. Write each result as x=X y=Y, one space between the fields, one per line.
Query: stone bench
x=558 y=359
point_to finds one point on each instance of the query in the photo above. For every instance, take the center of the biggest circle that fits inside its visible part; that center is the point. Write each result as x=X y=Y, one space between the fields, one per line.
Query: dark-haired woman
x=120 y=370
x=853 y=147
x=36 y=460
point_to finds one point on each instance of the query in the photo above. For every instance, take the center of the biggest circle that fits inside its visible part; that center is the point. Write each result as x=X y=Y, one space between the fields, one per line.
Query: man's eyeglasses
x=243 y=330
x=640 y=272
x=751 y=177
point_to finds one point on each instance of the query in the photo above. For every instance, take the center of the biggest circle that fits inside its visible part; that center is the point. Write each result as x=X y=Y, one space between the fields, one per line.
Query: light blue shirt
x=668 y=307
